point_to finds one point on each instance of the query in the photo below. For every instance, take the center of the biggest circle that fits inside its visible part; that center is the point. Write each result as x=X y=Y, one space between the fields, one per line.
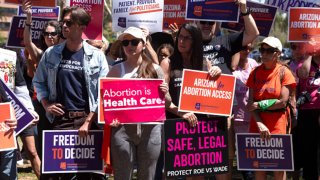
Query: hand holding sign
x=115 y=123
x=11 y=123
x=214 y=71
x=36 y=117
x=190 y=117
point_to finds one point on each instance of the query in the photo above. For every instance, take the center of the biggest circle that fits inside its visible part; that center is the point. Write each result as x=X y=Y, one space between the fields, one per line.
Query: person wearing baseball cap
x=273 y=42
x=138 y=142
x=270 y=86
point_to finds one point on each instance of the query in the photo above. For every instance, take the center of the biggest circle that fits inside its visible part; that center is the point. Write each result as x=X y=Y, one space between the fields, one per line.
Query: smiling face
x=50 y=36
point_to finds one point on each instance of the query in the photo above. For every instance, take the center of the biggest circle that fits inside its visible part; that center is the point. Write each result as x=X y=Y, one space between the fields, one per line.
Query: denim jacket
x=94 y=64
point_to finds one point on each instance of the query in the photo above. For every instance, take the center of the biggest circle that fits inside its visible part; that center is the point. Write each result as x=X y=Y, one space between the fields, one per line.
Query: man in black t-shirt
x=219 y=50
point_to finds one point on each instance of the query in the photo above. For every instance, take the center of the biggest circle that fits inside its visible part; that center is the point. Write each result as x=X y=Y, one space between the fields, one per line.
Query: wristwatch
x=246 y=13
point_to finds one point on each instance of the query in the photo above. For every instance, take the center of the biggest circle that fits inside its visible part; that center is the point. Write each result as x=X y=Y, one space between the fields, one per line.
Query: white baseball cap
x=273 y=42
x=135 y=32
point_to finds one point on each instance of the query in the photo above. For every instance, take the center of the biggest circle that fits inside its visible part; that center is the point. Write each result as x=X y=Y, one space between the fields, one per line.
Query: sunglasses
x=133 y=42
x=207 y=22
x=267 y=50
x=50 y=33
x=67 y=22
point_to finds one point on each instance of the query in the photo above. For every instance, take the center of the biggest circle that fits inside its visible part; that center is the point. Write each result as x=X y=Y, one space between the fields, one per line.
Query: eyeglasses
x=267 y=50
x=67 y=22
x=133 y=42
x=207 y=22
x=184 y=38
x=50 y=33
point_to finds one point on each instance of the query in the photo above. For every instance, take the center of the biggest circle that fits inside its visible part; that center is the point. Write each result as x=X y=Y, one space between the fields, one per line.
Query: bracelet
x=246 y=13
x=265 y=104
x=26 y=24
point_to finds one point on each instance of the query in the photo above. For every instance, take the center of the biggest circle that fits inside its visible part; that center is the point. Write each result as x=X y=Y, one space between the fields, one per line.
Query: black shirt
x=221 y=49
x=71 y=85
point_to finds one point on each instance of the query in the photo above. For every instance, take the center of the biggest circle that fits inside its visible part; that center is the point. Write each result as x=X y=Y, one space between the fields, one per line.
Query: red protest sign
x=304 y=24
x=131 y=100
x=7 y=136
x=174 y=12
x=200 y=93
x=95 y=9
x=48 y=3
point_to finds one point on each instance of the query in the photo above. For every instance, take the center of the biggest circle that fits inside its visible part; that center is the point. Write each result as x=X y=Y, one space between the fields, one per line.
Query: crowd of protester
x=65 y=98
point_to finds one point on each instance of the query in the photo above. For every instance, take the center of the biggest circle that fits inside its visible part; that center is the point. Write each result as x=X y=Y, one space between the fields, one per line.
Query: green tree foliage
x=280 y=27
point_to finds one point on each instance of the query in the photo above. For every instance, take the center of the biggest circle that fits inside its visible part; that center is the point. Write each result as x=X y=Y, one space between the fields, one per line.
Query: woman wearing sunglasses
x=270 y=86
x=50 y=35
x=139 y=142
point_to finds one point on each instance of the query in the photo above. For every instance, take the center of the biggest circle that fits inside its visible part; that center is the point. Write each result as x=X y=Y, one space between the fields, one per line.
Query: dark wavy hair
x=196 y=48
x=56 y=25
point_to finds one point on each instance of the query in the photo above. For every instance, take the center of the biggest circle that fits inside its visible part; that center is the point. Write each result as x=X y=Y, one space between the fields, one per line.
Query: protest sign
x=284 y=5
x=213 y=10
x=196 y=151
x=304 y=24
x=44 y=12
x=15 y=38
x=274 y=154
x=23 y=116
x=7 y=137
x=131 y=100
x=263 y=15
x=174 y=12
x=200 y=93
x=8 y=61
x=64 y=151
x=95 y=9
x=47 y=3
x=126 y=13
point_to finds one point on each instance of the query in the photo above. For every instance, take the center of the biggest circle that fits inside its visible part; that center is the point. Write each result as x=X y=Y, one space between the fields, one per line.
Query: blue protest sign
x=64 y=151
x=44 y=12
x=213 y=10
x=274 y=154
x=24 y=117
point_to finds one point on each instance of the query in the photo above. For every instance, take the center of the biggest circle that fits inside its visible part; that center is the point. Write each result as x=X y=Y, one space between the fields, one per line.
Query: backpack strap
x=282 y=73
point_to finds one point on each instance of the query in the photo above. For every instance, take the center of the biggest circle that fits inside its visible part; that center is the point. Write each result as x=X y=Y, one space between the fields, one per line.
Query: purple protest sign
x=263 y=15
x=15 y=38
x=211 y=10
x=196 y=151
x=23 y=116
x=44 y=12
x=274 y=154
x=64 y=151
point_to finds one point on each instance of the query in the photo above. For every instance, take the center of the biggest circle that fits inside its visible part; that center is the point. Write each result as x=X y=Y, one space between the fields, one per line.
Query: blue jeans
x=8 y=165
